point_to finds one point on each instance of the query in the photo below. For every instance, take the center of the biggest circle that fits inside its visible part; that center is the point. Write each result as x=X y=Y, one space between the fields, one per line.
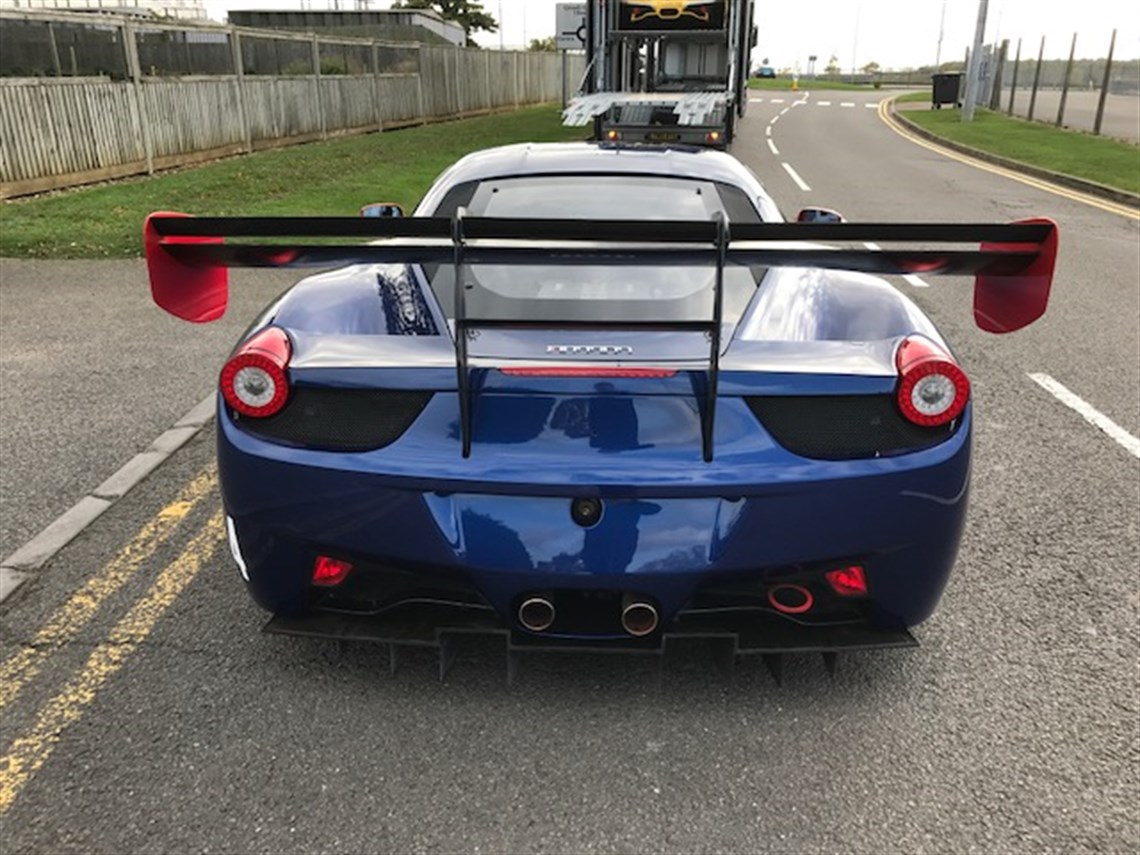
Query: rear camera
x=586 y=512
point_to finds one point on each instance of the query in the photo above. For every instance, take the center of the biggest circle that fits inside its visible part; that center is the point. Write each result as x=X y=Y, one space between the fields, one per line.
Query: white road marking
x=795 y=177
x=909 y=278
x=823 y=103
x=777 y=100
x=772 y=146
x=41 y=548
x=774 y=120
x=847 y=104
x=755 y=100
x=785 y=110
x=1089 y=413
x=874 y=106
x=768 y=131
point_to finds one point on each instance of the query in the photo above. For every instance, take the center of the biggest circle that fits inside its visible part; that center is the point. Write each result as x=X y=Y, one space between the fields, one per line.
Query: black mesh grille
x=840 y=427
x=340 y=419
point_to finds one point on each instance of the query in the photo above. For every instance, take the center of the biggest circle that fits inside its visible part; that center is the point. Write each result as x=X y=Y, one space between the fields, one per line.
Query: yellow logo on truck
x=669 y=10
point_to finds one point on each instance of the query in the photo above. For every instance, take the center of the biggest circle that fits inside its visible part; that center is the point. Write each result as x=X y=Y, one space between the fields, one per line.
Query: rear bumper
x=494 y=542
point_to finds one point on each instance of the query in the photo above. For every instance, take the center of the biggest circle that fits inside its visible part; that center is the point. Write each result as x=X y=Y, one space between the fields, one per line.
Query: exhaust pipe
x=638 y=617
x=536 y=614
x=790 y=599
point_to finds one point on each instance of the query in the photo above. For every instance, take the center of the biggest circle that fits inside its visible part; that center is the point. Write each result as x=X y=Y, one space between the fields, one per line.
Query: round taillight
x=933 y=388
x=254 y=380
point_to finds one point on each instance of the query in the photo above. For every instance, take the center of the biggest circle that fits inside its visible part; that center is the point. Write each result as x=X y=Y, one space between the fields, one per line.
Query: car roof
x=598 y=158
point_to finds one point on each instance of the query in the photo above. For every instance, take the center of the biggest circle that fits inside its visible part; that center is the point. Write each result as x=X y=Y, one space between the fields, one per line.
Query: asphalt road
x=1121 y=112
x=152 y=716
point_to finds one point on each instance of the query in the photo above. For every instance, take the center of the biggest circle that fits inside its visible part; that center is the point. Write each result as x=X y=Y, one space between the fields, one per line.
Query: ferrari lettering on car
x=601 y=397
x=590 y=349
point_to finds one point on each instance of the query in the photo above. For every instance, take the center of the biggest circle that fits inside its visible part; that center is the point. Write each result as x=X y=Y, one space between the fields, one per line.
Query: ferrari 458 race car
x=597 y=397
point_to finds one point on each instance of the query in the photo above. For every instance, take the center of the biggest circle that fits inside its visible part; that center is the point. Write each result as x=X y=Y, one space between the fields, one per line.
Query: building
x=403 y=25
x=186 y=10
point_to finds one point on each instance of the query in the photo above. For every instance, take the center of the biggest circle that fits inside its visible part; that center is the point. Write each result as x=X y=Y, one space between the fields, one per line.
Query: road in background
x=1088 y=339
x=1121 y=112
x=168 y=723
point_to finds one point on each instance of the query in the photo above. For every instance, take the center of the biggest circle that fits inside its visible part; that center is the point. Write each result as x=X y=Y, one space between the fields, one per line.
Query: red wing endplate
x=1004 y=303
x=197 y=293
x=1013 y=267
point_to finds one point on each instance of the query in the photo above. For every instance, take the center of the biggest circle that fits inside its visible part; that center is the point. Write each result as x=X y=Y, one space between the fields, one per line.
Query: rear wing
x=187 y=260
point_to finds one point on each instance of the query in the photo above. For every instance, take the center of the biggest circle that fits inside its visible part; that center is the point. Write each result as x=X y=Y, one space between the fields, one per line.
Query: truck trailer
x=665 y=71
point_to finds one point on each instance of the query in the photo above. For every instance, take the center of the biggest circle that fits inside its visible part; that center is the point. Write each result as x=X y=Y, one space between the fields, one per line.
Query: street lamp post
x=941 y=33
x=972 y=82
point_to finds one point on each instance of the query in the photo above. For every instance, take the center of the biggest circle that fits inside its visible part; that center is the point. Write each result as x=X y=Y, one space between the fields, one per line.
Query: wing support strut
x=708 y=422
x=465 y=326
x=463 y=376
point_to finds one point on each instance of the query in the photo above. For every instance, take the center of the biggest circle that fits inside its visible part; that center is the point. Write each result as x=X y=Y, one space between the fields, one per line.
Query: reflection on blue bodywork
x=532 y=534
x=605 y=422
x=405 y=309
x=382 y=299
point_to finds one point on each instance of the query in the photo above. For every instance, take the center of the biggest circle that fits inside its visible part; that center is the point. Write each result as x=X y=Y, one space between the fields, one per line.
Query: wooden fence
x=59 y=131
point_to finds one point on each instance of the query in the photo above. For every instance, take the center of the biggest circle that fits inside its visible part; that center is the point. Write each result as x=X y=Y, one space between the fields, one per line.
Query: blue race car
x=597 y=396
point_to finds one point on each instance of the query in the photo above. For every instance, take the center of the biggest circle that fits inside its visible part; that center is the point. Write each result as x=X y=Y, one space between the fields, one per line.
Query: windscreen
x=604 y=293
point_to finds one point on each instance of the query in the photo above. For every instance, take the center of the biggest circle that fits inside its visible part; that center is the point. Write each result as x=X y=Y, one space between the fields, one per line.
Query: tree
x=871 y=68
x=469 y=14
x=547 y=44
x=832 y=65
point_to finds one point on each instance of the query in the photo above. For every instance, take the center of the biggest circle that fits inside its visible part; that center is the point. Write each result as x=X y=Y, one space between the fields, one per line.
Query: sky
x=893 y=33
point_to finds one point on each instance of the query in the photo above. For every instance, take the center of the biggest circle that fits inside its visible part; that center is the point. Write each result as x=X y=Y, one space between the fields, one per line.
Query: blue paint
x=502 y=517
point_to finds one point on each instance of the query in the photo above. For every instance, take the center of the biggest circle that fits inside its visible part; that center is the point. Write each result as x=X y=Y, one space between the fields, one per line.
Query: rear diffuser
x=443 y=626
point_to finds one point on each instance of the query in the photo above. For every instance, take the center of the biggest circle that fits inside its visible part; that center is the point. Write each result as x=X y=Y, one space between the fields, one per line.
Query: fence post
x=1013 y=84
x=999 y=74
x=420 y=83
x=239 y=83
x=515 y=77
x=376 y=86
x=565 y=61
x=317 y=84
x=488 y=101
x=458 y=83
x=54 y=50
x=1065 y=83
x=1104 y=86
x=138 y=104
x=1036 y=78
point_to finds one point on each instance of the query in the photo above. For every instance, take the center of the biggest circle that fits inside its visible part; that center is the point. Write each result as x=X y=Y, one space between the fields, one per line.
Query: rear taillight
x=330 y=572
x=848 y=581
x=933 y=389
x=254 y=380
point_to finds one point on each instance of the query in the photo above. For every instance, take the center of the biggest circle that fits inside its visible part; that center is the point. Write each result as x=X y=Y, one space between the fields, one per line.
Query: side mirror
x=382 y=209
x=819 y=215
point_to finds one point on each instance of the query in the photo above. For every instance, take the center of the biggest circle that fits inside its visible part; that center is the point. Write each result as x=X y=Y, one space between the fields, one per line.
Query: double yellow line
x=30 y=751
x=1037 y=183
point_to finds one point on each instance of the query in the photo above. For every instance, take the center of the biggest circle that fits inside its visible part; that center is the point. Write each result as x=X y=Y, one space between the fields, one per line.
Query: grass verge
x=914 y=98
x=1105 y=161
x=334 y=177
